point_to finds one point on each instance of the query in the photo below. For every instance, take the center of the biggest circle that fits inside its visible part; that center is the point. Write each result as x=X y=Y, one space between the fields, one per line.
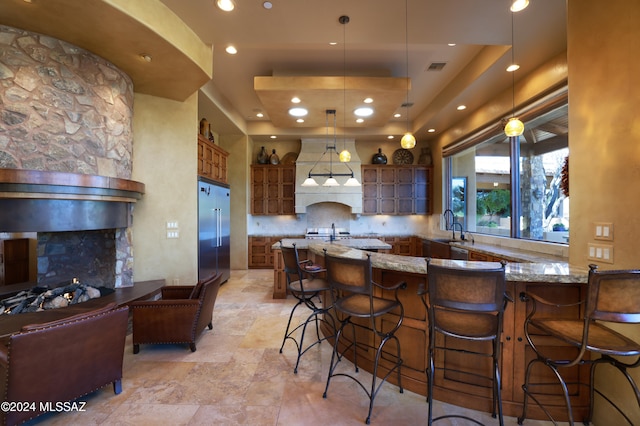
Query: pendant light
x=408 y=141
x=345 y=155
x=514 y=126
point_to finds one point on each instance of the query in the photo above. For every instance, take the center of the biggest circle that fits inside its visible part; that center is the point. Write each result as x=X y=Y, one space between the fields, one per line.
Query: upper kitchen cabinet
x=212 y=160
x=397 y=190
x=273 y=189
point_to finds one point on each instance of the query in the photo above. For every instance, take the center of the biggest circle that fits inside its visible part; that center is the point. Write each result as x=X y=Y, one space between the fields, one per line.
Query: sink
x=444 y=240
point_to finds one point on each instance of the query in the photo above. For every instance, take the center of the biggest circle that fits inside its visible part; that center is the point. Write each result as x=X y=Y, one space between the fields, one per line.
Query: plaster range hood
x=311 y=152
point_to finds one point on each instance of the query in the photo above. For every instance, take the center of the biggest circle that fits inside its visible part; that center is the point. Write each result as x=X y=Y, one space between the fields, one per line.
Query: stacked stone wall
x=62 y=108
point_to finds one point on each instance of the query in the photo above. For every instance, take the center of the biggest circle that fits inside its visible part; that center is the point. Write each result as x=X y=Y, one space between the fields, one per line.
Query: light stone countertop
x=356 y=243
x=558 y=272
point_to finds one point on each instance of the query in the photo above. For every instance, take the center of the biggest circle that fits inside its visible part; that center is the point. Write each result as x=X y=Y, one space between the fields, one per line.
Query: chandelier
x=330 y=149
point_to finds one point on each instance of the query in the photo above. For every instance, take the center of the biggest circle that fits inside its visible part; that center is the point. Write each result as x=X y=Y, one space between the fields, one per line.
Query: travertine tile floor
x=238 y=377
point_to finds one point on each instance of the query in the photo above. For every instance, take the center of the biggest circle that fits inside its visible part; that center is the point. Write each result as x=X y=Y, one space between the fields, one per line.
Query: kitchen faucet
x=452 y=225
x=446 y=220
x=333 y=232
x=453 y=228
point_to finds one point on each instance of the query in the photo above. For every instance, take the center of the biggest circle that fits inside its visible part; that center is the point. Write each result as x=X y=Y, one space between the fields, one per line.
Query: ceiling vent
x=436 y=66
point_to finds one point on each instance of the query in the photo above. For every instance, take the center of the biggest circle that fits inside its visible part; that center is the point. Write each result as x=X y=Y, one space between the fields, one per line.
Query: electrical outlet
x=600 y=252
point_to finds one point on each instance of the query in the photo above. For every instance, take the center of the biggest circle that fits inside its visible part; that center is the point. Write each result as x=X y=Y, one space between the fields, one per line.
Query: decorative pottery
x=425 y=157
x=379 y=158
x=204 y=128
x=273 y=158
x=263 y=157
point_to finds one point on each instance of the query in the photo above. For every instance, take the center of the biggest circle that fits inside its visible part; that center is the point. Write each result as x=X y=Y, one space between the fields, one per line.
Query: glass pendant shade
x=331 y=182
x=352 y=182
x=309 y=182
x=514 y=127
x=345 y=156
x=519 y=5
x=408 y=141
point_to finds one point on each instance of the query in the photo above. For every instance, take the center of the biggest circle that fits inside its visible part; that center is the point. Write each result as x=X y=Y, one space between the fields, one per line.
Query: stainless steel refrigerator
x=214 y=214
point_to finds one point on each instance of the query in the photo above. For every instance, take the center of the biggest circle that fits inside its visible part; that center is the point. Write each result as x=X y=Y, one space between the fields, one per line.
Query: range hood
x=311 y=153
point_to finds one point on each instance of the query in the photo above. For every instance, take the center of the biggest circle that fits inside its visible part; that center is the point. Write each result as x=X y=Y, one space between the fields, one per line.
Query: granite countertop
x=553 y=272
x=356 y=243
x=509 y=254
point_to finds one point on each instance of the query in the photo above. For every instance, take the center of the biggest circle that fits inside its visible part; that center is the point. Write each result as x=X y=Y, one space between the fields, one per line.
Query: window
x=493 y=179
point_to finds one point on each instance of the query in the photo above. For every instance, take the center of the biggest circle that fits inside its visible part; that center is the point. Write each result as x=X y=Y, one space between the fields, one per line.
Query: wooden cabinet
x=396 y=190
x=403 y=246
x=14 y=261
x=212 y=160
x=474 y=255
x=260 y=253
x=273 y=190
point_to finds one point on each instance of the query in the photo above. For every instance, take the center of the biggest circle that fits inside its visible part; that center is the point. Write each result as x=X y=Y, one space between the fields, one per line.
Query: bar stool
x=612 y=296
x=467 y=304
x=352 y=289
x=305 y=286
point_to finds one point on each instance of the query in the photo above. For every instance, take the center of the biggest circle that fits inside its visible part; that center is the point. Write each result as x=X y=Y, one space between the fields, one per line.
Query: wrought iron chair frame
x=587 y=336
x=465 y=302
x=305 y=289
x=345 y=296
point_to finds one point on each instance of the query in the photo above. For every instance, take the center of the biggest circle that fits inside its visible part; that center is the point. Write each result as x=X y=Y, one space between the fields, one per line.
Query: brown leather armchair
x=179 y=316
x=61 y=360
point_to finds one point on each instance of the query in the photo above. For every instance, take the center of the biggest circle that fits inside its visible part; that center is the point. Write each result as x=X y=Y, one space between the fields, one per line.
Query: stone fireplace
x=66 y=147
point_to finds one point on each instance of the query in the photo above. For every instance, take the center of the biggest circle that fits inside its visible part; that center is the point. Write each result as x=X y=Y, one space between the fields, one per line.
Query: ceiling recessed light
x=299 y=120
x=513 y=67
x=267 y=5
x=333 y=43
x=146 y=57
x=259 y=115
x=363 y=111
x=226 y=5
x=390 y=137
x=359 y=120
x=273 y=137
x=298 y=112
x=451 y=44
x=368 y=100
x=397 y=115
x=431 y=130
x=295 y=100
x=461 y=107
x=231 y=50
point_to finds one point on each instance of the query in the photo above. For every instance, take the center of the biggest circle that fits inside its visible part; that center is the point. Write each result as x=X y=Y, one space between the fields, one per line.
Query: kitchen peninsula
x=556 y=281
x=302 y=244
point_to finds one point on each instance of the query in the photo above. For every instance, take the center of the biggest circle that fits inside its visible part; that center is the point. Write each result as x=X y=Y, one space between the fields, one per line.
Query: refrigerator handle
x=219 y=224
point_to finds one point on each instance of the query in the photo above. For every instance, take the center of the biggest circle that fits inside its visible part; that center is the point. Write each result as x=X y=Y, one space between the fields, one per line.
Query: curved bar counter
x=555 y=281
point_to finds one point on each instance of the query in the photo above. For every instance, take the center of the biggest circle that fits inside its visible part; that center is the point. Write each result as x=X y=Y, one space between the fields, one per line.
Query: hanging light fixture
x=514 y=126
x=408 y=141
x=331 y=150
x=519 y=5
x=345 y=155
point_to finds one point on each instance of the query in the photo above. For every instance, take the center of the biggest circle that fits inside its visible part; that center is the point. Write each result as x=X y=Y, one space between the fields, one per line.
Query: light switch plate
x=603 y=231
x=601 y=253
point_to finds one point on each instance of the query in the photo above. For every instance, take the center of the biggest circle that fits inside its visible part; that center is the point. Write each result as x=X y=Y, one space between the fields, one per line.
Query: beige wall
x=165 y=153
x=238 y=174
x=604 y=170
